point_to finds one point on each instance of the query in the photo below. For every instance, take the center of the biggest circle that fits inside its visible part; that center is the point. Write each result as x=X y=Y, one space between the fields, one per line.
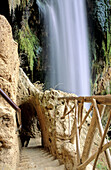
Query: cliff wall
x=9 y=73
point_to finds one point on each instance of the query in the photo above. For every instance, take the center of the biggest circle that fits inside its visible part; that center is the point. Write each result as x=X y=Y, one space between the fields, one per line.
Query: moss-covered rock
x=99 y=36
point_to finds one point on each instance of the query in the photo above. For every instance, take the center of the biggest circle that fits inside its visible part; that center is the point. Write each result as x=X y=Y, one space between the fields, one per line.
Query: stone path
x=35 y=157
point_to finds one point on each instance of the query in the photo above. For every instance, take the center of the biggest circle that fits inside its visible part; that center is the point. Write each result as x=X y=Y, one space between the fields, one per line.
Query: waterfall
x=66 y=25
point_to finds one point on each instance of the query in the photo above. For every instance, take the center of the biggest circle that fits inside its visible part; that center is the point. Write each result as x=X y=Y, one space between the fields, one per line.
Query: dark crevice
x=30 y=123
x=4 y=10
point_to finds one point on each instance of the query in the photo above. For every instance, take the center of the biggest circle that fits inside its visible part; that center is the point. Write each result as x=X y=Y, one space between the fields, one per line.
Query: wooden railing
x=14 y=107
x=98 y=104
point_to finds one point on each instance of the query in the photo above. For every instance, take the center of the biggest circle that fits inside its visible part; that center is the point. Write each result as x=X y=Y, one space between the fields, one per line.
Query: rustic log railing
x=15 y=107
x=98 y=104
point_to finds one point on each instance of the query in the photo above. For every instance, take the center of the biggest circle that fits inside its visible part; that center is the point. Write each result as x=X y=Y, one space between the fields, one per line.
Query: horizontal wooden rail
x=15 y=107
x=100 y=99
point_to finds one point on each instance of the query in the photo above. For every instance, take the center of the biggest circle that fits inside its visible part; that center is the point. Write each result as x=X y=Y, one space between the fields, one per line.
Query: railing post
x=89 y=138
x=101 y=130
x=77 y=133
x=100 y=147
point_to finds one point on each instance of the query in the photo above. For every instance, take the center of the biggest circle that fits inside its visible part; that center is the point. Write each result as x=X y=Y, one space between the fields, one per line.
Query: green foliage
x=107 y=49
x=100 y=166
x=28 y=45
x=109 y=45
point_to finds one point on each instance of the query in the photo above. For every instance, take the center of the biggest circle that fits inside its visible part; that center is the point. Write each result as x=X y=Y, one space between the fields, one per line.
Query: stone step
x=48 y=157
x=41 y=163
x=47 y=163
x=61 y=167
x=36 y=158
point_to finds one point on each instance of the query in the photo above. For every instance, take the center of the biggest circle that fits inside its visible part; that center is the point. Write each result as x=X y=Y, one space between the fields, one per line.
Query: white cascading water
x=68 y=41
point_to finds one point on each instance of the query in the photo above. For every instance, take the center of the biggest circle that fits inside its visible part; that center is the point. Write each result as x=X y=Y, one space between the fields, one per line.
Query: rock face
x=25 y=88
x=103 y=83
x=9 y=72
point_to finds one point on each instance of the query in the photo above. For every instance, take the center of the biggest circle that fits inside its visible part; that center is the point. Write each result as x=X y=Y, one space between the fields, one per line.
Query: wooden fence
x=98 y=104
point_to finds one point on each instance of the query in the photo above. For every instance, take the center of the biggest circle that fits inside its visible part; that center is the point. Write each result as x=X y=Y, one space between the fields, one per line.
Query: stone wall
x=9 y=73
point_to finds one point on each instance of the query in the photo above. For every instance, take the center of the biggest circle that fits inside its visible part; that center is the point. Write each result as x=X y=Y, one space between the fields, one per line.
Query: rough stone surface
x=25 y=88
x=9 y=66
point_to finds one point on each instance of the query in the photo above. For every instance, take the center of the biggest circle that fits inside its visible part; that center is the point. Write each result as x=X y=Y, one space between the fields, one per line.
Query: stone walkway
x=35 y=157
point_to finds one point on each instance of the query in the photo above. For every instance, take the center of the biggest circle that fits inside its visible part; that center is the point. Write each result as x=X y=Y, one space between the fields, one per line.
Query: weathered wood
x=96 y=120
x=79 y=108
x=73 y=132
x=101 y=130
x=91 y=107
x=82 y=166
x=81 y=105
x=89 y=138
x=65 y=109
x=68 y=112
x=102 y=141
x=101 y=109
x=77 y=134
x=101 y=99
x=71 y=98
x=69 y=124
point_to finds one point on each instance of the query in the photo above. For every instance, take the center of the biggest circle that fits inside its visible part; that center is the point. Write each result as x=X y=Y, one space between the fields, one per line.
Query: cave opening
x=30 y=125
